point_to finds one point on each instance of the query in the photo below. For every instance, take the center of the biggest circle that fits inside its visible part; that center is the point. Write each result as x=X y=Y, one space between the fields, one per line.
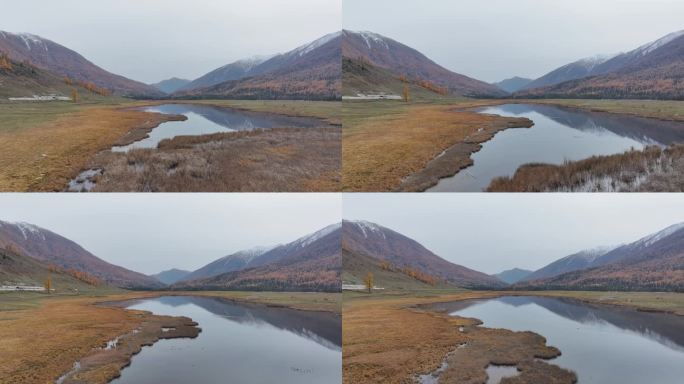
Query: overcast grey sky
x=153 y=232
x=496 y=39
x=152 y=40
x=495 y=232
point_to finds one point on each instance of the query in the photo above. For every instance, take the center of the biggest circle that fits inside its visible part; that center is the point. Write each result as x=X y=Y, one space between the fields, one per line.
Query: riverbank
x=669 y=110
x=269 y=160
x=42 y=337
x=273 y=160
x=45 y=145
x=394 y=338
x=393 y=146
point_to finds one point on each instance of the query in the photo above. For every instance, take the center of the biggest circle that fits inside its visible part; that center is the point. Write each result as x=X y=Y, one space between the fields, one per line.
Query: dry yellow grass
x=379 y=151
x=384 y=342
x=388 y=340
x=275 y=160
x=43 y=146
x=41 y=342
x=45 y=156
x=37 y=345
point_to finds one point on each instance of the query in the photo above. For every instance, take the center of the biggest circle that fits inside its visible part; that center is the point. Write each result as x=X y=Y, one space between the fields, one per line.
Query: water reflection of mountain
x=664 y=328
x=236 y=119
x=324 y=328
x=643 y=130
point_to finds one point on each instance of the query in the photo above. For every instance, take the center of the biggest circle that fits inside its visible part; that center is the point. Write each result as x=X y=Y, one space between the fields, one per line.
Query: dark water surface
x=207 y=119
x=239 y=343
x=558 y=134
x=602 y=344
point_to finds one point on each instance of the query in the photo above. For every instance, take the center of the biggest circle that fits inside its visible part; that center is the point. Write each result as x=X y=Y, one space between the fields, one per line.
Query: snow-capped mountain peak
x=655 y=237
x=251 y=62
x=30 y=40
x=308 y=239
x=591 y=62
x=652 y=46
x=306 y=48
x=26 y=229
x=367 y=228
x=372 y=39
x=594 y=253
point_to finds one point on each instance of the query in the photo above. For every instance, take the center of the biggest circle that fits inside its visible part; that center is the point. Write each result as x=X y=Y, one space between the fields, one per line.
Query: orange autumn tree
x=368 y=280
x=5 y=63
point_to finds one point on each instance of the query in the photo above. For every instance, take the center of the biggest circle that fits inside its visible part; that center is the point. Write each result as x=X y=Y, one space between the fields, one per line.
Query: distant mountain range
x=171 y=85
x=310 y=263
x=513 y=84
x=311 y=71
x=313 y=262
x=234 y=262
x=651 y=71
x=234 y=71
x=581 y=260
x=62 y=61
x=51 y=249
x=512 y=276
x=400 y=61
x=653 y=263
x=171 y=276
x=397 y=260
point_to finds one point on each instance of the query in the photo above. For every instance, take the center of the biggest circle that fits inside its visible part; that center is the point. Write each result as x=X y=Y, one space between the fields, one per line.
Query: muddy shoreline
x=459 y=156
x=485 y=347
x=104 y=364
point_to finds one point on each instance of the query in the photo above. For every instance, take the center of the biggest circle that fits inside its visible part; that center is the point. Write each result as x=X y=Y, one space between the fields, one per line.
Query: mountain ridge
x=51 y=248
x=653 y=263
x=310 y=263
x=312 y=71
x=650 y=71
x=397 y=252
x=403 y=60
x=62 y=61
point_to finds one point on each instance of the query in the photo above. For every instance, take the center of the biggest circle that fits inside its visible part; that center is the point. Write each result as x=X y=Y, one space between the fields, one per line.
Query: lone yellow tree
x=74 y=95
x=405 y=94
x=369 y=282
x=48 y=284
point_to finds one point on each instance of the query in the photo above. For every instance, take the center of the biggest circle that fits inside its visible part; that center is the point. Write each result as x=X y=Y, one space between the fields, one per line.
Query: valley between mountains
x=50 y=281
x=268 y=123
x=451 y=129
x=401 y=310
x=437 y=333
